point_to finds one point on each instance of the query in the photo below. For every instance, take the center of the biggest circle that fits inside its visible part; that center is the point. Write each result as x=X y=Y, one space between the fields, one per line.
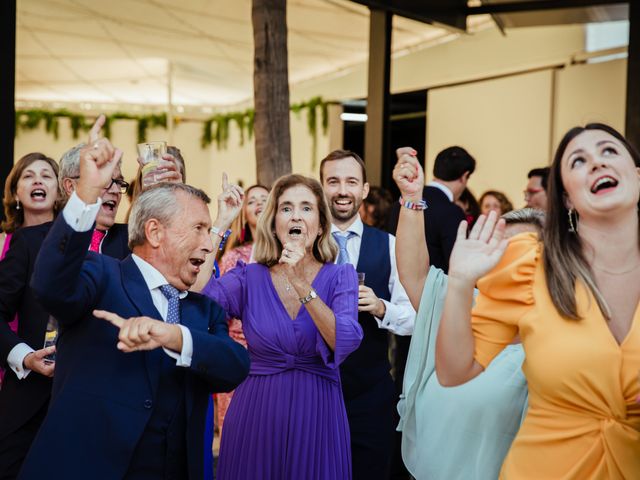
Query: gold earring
x=573 y=226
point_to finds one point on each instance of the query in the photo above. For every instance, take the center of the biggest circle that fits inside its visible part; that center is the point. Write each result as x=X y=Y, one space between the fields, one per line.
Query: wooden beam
x=7 y=87
x=454 y=13
x=376 y=137
x=532 y=6
x=632 y=117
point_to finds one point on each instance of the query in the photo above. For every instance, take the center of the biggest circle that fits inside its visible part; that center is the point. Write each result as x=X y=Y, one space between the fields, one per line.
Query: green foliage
x=214 y=129
x=32 y=119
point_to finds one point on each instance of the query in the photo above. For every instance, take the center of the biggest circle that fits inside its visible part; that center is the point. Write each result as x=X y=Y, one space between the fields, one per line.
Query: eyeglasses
x=531 y=192
x=122 y=185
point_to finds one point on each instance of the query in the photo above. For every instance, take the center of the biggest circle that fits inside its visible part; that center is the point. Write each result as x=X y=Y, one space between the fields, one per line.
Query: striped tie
x=343 y=256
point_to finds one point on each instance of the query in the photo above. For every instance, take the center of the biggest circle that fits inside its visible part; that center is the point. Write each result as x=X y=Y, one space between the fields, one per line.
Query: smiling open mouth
x=38 y=193
x=109 y=204
x=603 y=184
x=196 y=262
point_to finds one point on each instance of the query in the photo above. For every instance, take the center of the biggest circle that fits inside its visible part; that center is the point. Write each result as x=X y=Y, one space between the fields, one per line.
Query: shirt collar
x=443 y=188
x=152 y=277
x=357 y=227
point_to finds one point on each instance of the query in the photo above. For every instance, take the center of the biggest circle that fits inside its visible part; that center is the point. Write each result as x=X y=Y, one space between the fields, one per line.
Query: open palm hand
x=474 y=256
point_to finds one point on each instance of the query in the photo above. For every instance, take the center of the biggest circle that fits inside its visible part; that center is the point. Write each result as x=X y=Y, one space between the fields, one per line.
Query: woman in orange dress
x=240 y=248
x=574 y=304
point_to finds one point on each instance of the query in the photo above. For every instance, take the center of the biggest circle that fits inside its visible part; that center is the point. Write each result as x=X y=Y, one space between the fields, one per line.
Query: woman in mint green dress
x=459 y=432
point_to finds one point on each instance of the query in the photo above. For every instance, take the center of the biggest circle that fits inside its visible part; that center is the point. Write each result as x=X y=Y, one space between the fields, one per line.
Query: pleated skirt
x=288 y=425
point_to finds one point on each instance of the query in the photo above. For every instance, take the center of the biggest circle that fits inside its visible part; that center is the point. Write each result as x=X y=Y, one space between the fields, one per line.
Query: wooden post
x=271 y=90
x=376 y=137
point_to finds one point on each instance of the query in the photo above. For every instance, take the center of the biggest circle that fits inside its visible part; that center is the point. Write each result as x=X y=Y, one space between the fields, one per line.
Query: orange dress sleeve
x=505 y=296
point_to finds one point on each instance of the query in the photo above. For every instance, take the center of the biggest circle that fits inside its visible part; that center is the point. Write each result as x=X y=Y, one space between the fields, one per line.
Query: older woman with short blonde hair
x=300 y=320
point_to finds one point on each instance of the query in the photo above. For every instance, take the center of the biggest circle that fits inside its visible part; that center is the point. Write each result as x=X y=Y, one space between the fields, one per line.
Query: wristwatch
x=308 y=298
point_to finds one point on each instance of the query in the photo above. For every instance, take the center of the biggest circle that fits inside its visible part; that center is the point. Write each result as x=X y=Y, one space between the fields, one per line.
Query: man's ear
x=154 y=232
x=465 y=177
x=69 y=185
x=365 y=190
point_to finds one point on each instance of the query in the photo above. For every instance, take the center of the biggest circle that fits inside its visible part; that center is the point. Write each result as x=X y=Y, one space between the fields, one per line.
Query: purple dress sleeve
x=229 y=290
x=344 y=305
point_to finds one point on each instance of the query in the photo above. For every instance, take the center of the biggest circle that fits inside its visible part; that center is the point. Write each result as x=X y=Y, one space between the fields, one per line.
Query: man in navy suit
x=24 y=397
x=383 y=307
x=137 y=354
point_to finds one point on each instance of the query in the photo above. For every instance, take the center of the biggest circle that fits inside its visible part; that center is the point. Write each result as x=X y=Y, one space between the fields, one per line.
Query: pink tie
x=96 y=239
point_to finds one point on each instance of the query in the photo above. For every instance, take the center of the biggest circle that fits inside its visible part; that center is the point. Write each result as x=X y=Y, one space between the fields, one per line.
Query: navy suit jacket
x=102 y=398
x=441 y=221
x=20 y=400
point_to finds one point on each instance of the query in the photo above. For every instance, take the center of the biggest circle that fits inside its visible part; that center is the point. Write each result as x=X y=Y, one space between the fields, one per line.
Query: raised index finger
x=225 y=181
x=111 y=317
x=94 y=133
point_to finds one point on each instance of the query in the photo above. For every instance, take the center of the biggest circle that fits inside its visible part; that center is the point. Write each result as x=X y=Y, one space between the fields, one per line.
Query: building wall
x=510 y=121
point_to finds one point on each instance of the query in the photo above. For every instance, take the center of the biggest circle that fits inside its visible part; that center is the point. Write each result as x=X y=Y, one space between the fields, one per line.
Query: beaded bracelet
x=421 y=205
x=223 y=236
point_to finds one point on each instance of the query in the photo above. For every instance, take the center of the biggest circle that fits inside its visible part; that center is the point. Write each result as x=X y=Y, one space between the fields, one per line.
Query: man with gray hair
x=108 y=237
x=138 y=354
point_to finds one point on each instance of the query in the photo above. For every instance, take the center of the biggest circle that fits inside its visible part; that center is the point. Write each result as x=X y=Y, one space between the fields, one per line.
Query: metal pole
x=170 y=101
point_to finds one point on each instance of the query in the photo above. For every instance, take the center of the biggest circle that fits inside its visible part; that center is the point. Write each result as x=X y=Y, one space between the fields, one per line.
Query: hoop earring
x=573 y=225
x=17 y=204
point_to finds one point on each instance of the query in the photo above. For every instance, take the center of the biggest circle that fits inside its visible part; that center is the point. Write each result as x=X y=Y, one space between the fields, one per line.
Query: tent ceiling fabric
x=120 y=51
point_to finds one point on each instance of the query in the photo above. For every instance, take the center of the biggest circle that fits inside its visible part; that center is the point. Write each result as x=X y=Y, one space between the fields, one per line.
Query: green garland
x=32 y=119
x=215 y=129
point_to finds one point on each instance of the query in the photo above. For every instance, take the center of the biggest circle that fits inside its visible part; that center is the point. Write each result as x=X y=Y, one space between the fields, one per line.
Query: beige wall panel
x=468 y=57
x=593 y=92
x=503 y=123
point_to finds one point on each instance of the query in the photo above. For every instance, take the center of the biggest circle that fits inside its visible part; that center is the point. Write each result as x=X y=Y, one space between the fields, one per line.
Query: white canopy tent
x=135 y=52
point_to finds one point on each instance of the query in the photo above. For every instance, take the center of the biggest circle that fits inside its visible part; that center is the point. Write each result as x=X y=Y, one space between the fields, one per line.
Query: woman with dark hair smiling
x=574 y=303
x=30 y=195
x=300 y=319
x=31 y=198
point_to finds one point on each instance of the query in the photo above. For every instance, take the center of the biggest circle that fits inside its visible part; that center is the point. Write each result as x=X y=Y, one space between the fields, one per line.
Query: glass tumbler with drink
x=150 y=155
x=50 y=338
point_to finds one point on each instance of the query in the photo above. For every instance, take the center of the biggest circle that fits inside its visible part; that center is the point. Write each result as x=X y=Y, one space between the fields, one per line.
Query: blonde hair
x=267 y=248
x=240 y=231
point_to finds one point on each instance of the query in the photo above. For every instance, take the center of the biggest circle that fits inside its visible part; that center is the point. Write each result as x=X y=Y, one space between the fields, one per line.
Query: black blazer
x=441 y=220
x=103 y=398
x=20 y=400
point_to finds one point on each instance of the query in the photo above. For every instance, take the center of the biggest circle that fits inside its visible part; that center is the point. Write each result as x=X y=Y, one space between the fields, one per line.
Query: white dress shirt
x=399 y=315
x=81 y=218
x=443 y=188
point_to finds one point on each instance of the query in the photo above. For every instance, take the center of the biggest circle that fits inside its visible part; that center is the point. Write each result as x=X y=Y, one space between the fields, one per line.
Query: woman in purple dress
x=300 y=319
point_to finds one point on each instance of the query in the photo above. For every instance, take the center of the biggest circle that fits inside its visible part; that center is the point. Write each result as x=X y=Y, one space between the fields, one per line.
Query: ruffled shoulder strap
x=505 y=296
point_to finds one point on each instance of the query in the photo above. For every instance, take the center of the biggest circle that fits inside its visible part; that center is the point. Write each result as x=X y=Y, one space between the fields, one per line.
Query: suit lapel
x=139 y=295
